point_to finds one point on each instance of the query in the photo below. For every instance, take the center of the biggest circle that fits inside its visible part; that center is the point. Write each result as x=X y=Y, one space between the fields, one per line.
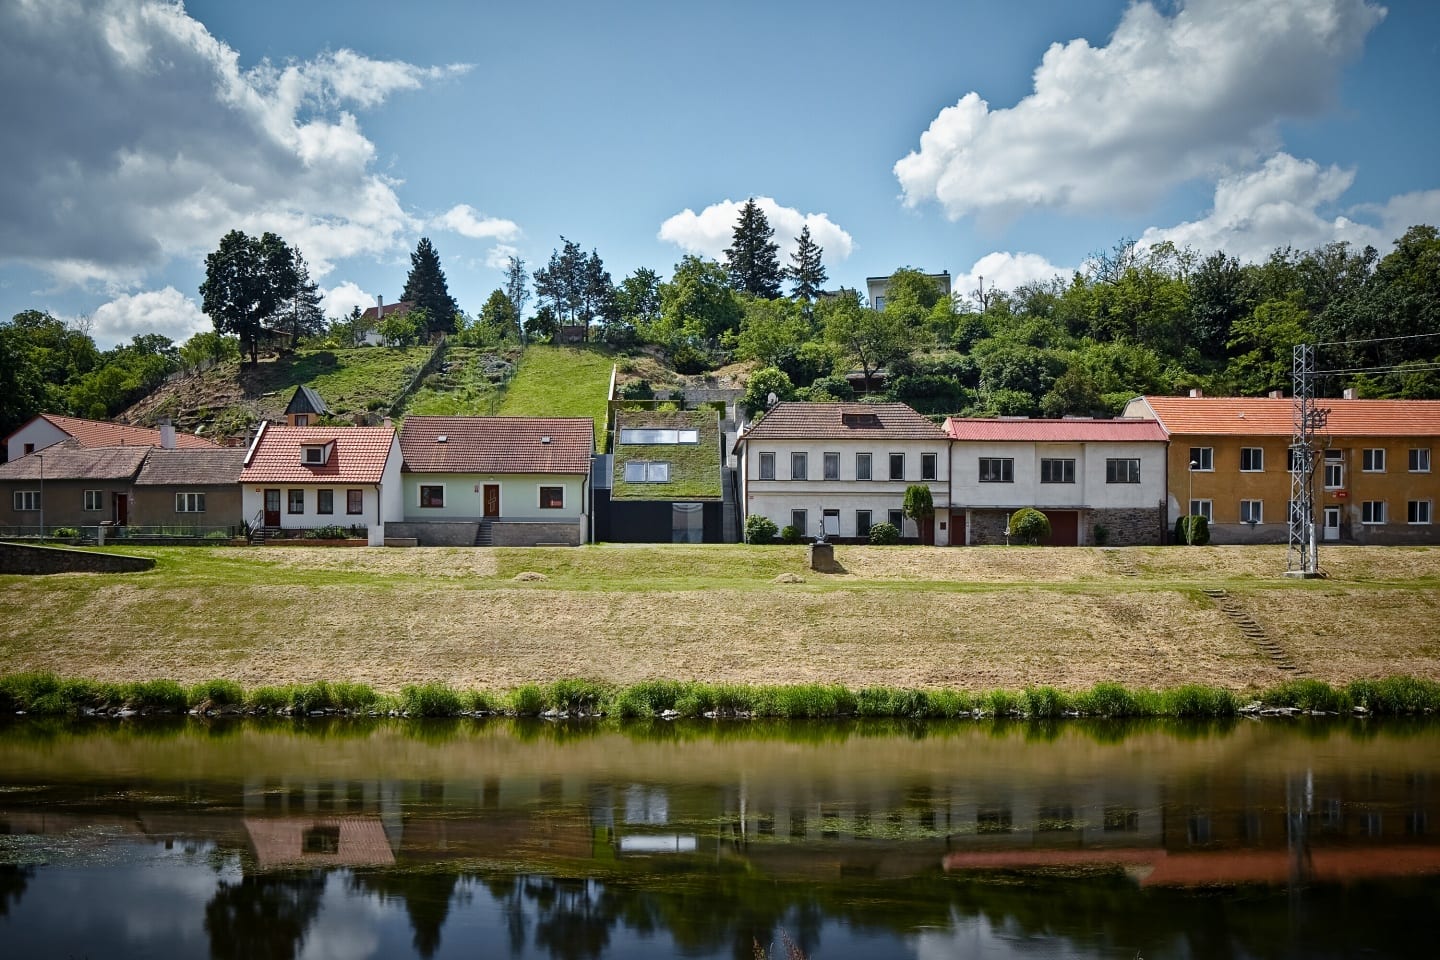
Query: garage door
x=1064 y=528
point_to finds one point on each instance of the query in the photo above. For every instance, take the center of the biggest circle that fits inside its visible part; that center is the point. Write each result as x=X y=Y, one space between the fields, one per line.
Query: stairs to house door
x=258 y=535
x=482 y=534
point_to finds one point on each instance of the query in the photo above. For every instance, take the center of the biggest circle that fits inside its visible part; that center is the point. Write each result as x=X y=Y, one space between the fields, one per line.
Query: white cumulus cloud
x=339 y=300
x=145 y=141
x=466 y=221
x=1005 y=271
x=710 y=231
x=499 y=256
x=1171 y=97
x=168 y=312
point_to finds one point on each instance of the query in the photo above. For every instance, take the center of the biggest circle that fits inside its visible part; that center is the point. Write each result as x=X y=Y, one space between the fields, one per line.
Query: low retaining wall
x=434 y=533
x=504 y=534
x=1127 y=527
x=26 y=559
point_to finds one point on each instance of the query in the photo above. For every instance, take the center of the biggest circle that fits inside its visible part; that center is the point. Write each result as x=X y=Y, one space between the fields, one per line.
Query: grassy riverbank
x=920 y=619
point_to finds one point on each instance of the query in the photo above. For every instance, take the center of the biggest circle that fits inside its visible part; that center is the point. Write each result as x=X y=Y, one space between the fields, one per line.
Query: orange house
x=1229 y=462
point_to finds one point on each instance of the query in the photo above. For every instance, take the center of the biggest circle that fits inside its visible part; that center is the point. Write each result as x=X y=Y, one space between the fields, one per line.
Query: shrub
x=1044 y=703
x=527 y=700
x=1108 y=700
x=637 y=390
x=1307 y=695
x=64 y=533
x=156 y=694
x=355 y=696
x=1102 y=534
x=20 y=691
x=217 y=693
x=268 y=698
x=1029 y=526
x=577 y=696
x=1192 y=531
x=884 y=534
x=790 y=535
x=1195 y=700
x=319 y=695
x=760 y=529
x=332 y=532
x=1395 y=695
x=429 y=700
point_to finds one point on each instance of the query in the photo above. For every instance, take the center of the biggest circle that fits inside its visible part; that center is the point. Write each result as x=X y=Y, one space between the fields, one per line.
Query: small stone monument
x=822 y=554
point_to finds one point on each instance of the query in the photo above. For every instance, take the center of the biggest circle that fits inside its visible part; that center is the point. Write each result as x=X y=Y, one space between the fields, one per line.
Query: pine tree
x=806 y=272
x=426 y=291
x=752 y=260
x=517 y=288
x=302 y=314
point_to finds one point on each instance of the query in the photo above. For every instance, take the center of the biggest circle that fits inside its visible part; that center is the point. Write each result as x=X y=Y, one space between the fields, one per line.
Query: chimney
x=388 y=424
x=1349 y=393
x=379 y=307
x=1196 y=392
x=167 y=435
x=1276 y=394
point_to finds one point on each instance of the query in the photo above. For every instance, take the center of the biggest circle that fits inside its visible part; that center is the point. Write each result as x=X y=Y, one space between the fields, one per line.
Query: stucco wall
x=23 y=559
x=1088 y=490
x=42 y=433
x=519 y=496
x=154 y=506
x=64 y=502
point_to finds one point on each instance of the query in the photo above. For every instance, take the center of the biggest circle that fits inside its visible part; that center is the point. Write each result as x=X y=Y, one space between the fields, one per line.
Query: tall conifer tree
x=426 y=290
x=752 y=259
x=806 y=272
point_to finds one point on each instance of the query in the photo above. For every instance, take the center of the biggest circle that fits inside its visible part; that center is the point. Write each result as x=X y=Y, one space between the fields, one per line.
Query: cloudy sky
x=986 y=137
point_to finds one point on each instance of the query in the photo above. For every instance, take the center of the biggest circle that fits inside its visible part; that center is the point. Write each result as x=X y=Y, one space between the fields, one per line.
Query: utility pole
x=1302 y=560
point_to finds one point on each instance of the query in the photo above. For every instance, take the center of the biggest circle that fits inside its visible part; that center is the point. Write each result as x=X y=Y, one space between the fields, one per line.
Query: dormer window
x=315 y=454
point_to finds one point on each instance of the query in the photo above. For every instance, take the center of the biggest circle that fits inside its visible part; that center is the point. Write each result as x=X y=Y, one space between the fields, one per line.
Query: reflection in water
x=385 y=840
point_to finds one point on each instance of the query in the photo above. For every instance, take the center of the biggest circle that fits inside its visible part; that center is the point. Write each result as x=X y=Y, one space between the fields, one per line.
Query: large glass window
x=997 y=469
x=1122 y=470
x=1202 y=458
x=767 y=466
x=647 y=471
x=862 y=466
x=799 y=466
x=1057 y=471
x=654 y=435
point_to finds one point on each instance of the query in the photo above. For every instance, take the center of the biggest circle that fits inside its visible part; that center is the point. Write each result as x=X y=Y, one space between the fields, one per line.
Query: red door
x=122 y=509
x=957 y=529
x=492 y=499
x=1064 y=528
x=272 y=508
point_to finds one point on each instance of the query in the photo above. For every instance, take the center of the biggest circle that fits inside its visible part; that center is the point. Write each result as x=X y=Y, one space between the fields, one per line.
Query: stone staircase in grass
x=482 y=534
x=1247 y=624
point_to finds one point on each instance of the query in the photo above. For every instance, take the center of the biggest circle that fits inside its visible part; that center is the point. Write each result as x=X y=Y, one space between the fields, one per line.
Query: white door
x=1332 y=523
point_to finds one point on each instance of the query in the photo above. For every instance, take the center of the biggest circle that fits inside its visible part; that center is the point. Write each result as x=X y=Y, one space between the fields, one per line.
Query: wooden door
x=957 y=528
x=492 y=500
x=272 y=508
x=122 y=509
x=1064 y=528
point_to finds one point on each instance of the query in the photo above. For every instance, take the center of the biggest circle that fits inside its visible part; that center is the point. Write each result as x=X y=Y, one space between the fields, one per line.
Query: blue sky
x=997 y=138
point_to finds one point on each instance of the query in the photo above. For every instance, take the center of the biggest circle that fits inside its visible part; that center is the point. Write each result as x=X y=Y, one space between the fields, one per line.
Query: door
x=492 y=500
x=957 y=529
x=272 y=508
x=122 y=509
x=927 y=531
x=1332 y=523
x=1064 y=528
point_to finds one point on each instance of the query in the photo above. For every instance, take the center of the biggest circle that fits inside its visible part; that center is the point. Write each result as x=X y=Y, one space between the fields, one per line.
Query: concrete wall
x=253 y=499
x=1088 y=490
x=519 y=496
x=505 y=534
x=64 y=502
x=18 y=558
x=452 y=533
x=154 y=506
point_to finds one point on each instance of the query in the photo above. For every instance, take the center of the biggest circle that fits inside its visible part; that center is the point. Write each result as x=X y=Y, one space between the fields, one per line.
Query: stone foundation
x=434 y=533
x=504 y=534
x=987 y=527
x=1129 y=527
x=25 y=559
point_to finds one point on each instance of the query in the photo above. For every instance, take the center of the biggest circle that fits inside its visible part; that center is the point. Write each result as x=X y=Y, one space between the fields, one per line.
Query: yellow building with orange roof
x=1229 y=462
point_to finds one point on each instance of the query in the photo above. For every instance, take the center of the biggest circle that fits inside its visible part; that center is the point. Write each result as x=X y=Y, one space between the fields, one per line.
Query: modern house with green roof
x=666 y=477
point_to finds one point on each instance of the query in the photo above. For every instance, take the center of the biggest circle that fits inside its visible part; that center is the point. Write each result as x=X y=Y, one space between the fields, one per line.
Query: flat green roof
x=695 y=468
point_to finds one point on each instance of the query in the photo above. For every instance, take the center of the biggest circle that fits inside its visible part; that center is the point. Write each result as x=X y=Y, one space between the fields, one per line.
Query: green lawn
x=461 y=389
x=561 y=382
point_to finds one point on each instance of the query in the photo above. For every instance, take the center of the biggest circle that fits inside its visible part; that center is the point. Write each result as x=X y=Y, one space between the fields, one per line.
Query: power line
x=1394 y=368
x=1346 y=343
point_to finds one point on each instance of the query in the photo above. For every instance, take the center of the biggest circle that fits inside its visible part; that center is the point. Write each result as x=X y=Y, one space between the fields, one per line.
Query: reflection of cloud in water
x=350 y=927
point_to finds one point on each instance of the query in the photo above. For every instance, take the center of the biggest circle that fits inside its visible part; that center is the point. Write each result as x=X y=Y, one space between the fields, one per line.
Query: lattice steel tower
x=1302 y=560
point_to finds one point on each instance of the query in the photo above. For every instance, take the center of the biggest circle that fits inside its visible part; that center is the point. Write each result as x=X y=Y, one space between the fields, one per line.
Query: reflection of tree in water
x=573 y=917
x=509 y=892
x=426 y=895
x=263 y=916
x=13 y=881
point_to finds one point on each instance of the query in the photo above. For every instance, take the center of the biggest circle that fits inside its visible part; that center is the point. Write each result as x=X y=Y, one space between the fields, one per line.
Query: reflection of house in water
x=318 y=842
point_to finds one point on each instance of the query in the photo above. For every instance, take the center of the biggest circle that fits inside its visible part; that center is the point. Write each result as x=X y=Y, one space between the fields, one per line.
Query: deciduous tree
x=247 y=282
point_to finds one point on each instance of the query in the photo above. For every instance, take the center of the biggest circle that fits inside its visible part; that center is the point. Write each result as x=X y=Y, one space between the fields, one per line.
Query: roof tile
x=99 y=433
x=192 y=467
x=1275 y=416
x=497 y=444
x=1055 y=431
x=69 y=461
x=359 y=455
x=838 y=421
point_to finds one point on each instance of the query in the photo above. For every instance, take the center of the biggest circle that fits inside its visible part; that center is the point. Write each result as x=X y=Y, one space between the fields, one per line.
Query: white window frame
x=1335 y=460
x=27 y=501
x=1067 y=469
x=1419 y=459
x=802 y=462
x=1372 y=460
x=1372 y=512
x=831 y=464
x=312 y=455
x=649 y=471
x=1419 y=512
x=929 y=466
x=866 y=473
x=190 y=502
x=1203 y=508
x=1252 y=511
x=94 y=500
x=767 y=459
x=420 y=496
x=1203 y=458
x=1255 y=457
x=890 y=460
x=826 y=515
x=646 y=436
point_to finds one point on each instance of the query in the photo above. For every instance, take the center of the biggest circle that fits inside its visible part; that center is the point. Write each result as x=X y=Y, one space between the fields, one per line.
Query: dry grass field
x=974 y=618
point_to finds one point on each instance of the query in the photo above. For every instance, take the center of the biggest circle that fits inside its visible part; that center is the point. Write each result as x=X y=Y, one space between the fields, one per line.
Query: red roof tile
x=98 y=433
x=358 y=456
x=839 y=421
x=1275 y=417
x=498 y=444
x=1054 y=431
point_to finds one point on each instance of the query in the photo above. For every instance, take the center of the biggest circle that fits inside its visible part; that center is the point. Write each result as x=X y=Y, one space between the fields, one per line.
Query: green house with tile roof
x=667 y=476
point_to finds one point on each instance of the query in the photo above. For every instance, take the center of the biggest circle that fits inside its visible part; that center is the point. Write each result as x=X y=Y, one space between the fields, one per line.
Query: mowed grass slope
x=561 y=382
x=970 y=618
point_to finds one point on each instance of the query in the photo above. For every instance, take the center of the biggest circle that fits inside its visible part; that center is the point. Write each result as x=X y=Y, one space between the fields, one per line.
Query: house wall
x=392 y=493
x=253 y=500
x=154 y=506
x=777 y=498
x=519 y=496
x=1226 y=485
x=1088 y=490
x=447 y=533
x=64 y=502
x=42 y=433
x=653 y=521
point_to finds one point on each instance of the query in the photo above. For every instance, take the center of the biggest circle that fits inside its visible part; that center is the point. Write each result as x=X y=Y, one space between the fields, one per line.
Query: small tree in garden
x=920 y=506
x=884 y=535
x=1193 y=530
x=760 y=529
x=1029 y=526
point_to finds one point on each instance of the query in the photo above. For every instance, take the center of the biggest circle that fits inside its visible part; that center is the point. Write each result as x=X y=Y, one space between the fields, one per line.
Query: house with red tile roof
x=1229 y=462
x=300 y=478
x=1096 y=480
x=843 y=467
x=506 y=481
x=47 y=429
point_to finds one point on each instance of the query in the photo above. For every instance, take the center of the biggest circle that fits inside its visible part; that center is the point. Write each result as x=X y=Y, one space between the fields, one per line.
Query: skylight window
x=657 y=435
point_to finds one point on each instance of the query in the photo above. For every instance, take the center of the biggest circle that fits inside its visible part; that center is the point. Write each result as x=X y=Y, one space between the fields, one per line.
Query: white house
x=1096 y=480
x=301 y=478
x=844 y=467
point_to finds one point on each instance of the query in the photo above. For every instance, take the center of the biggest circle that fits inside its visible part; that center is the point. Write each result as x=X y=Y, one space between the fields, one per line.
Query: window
x=928 y=465
x=798 y=466
x=302 y=419
x=29 y=449
x=1252 y=511
x=312 y=456
x=354 y=501
x=767 y=466
x=997 y=469
x=1420 y=460
x=862 y=523
x=1203 y=508
x=862 y=466
x=897 y=520
x=296 y=500
x=649 y=435
x=799 y=520
x=830 y=523
x=897 y=466
x=552 y=498
x=647 y=471
x=1418 y=511
x=1334 y=469
x=1122 y=470
x=1057 y=471
x=324 y=501
x=1202 y=458
x=190 y=503
x=95 y=499
x=1372 y=511
x=832 y=466
x=1372 y=460
x=27 y=499
x=1252 y=459
x=432 y=495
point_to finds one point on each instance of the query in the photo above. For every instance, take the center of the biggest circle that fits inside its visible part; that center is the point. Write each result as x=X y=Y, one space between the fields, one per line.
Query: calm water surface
x=508 y=839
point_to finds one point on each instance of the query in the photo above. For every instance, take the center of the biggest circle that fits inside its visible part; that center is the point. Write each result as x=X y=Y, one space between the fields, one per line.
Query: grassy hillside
x=973 y=618
x=462 y=388
x=561 y=382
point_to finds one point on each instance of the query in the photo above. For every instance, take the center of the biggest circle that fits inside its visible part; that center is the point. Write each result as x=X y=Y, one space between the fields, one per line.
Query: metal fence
x=111 y=534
